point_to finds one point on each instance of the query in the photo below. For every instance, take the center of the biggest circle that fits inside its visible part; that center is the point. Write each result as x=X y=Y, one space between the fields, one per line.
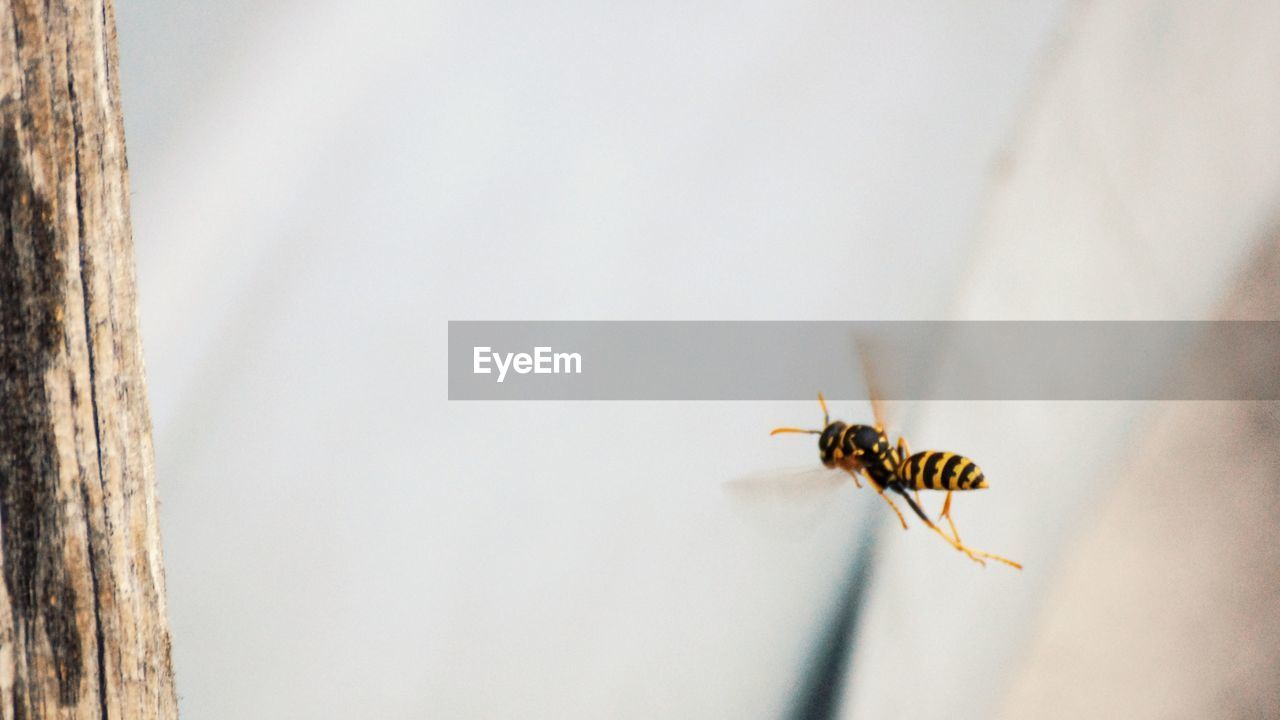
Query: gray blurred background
x=318 y=187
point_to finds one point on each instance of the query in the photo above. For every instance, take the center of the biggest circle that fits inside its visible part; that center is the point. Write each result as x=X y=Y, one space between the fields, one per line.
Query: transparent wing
x=790 y=501
x=889 y=415
x=874 y=392
x=792 y=484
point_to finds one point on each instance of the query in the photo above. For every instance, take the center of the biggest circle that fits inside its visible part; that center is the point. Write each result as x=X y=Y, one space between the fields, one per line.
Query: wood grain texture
x=83 y=630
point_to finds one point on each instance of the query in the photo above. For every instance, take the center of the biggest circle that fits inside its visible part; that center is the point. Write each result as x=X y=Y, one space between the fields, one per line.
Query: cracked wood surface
x=83 y=630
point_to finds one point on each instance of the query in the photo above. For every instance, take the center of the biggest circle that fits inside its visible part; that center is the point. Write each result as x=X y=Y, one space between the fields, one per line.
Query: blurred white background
x=319 y=187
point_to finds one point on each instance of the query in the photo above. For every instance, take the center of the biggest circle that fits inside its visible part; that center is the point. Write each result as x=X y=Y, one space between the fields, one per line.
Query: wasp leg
x=895 y=507
x=946 y=513
x=974 y=556
x=904 y=452
x=887 y=499
x=956 y=542
x=915 y=504
x=851 y=466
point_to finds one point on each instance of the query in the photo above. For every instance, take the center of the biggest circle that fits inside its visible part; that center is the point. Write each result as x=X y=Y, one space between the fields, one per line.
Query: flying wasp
x=865 y=451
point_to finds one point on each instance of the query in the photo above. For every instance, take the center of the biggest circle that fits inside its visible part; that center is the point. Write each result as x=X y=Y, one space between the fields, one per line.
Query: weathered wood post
x=83 y=632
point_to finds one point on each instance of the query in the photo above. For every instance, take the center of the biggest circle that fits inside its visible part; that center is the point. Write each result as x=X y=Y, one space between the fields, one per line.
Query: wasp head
x=830 y=444
x=839 y=442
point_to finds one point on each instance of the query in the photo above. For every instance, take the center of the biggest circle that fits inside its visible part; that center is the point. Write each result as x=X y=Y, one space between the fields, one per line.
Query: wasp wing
x=888 y=415
x=791 y=500
x=789 y=484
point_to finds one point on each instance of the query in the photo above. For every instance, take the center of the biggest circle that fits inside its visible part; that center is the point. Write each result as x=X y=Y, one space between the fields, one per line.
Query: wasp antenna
x=779 y=431
x=826 y=417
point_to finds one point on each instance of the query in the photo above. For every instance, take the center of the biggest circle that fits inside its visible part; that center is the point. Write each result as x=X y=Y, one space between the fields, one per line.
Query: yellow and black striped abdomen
x=933 y=470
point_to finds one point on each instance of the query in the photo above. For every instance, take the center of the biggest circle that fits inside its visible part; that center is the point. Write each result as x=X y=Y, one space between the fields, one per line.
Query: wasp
x=865 y=451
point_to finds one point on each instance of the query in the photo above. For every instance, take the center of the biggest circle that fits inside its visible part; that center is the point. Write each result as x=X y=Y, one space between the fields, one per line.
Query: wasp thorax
x=829 y=443
x=869 y=440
